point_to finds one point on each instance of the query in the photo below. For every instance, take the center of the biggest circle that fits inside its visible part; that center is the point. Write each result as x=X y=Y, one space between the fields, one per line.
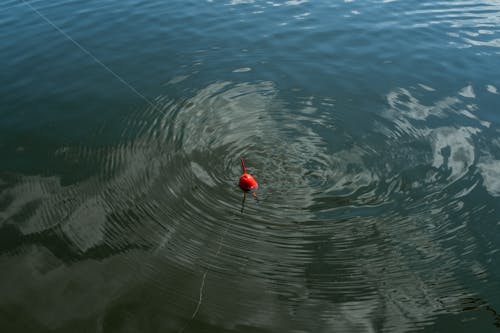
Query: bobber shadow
x=244 y=199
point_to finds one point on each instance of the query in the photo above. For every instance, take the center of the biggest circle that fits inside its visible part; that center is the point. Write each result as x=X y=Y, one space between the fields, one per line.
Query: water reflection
x=375 y=234
x=374 y=139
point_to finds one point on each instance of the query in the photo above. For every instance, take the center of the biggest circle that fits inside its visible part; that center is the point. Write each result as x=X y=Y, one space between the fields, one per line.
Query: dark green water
x=372 y=128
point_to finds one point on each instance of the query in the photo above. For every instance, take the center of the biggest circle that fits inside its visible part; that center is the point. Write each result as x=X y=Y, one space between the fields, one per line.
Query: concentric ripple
x=380 y=228
x=371 y=126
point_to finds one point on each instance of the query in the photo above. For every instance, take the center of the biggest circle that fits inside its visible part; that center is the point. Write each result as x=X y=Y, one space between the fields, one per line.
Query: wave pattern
x=380 y=229
x=370 y=127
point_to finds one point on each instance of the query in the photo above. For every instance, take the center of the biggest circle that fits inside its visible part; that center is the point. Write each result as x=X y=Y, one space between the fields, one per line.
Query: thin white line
x=202 y=286
x=201 y=296
x=198 y=305
x=89 y=54
x=220 y=241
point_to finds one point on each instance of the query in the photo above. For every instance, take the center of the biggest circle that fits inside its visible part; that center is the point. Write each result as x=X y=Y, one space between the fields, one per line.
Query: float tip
x=243 y=169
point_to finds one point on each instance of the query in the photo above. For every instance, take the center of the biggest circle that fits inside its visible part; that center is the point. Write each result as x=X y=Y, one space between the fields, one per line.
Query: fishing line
x=202 y=285
x=127 y=84
x=90 y=54
x=246 y=183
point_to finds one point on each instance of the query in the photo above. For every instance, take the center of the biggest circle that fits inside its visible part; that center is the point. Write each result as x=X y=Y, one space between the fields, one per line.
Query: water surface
x=372 y=128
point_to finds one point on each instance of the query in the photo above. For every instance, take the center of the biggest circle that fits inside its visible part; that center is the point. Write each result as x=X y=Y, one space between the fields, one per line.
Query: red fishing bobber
x=247 y=182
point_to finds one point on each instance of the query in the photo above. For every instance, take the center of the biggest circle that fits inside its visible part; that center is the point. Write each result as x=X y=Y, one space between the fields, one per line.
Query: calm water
x=372 y=127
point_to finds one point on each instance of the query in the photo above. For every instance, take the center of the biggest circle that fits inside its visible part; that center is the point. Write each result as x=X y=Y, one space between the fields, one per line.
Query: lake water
x=372 y=127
